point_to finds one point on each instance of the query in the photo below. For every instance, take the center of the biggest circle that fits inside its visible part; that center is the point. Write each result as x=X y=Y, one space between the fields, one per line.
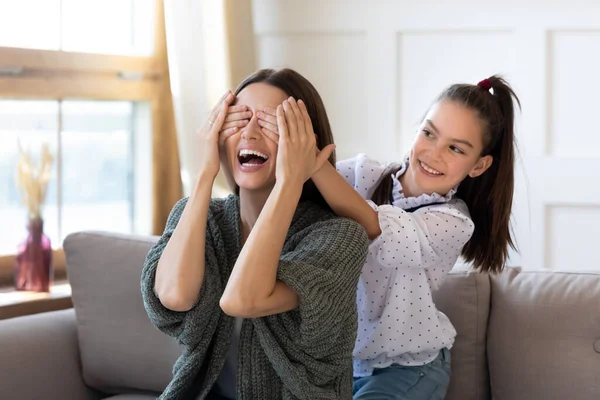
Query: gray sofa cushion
x=465 y=298
x=40 y=359
x=120 y=349
x=543 y=329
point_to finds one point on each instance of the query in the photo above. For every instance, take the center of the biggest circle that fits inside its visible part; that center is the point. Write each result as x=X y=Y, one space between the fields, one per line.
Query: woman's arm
x=253 y=290
x=180 y=269
x=191 y=326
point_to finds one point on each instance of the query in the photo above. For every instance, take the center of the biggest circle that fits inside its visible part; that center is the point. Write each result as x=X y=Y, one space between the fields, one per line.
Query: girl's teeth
x=431 y=171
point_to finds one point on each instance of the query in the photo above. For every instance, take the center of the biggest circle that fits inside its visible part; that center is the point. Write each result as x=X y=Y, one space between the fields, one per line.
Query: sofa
x=522 y=335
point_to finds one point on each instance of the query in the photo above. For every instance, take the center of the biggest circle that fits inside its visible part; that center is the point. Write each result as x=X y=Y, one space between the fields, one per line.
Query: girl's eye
x=456 y=150
x=427 y=133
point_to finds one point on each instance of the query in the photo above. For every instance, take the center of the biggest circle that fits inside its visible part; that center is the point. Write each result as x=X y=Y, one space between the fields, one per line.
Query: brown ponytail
x=489 y=196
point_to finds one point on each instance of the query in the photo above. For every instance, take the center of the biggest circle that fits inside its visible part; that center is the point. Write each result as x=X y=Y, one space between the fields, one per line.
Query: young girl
x=452 y=196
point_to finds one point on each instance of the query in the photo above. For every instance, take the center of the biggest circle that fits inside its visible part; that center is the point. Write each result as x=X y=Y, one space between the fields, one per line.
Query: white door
x=379 y=64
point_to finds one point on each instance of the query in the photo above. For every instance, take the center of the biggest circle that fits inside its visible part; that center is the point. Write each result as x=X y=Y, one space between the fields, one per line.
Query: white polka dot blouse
x=398 y=321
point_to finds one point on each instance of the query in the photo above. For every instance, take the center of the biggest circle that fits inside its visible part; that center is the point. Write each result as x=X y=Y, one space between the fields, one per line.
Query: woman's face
x=446 y=150
x=252 y=155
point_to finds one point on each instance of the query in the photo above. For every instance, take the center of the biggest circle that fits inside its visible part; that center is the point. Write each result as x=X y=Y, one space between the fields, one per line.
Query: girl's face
x=446 y=150
x=251 y=155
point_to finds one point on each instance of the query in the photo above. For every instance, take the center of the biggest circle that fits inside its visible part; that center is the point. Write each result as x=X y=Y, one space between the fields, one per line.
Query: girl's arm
x=429 y=237
x=253 y=290
x=345 y=201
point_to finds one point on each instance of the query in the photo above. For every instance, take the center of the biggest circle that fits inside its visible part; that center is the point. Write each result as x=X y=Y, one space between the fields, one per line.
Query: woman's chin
x=254 y=183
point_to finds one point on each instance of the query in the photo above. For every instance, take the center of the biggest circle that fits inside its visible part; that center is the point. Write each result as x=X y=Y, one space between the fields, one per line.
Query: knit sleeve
x=190 y=327
x=323 y=269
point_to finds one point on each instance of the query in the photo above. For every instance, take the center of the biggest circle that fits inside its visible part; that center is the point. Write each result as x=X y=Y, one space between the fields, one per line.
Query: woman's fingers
x=268 y=115
x=238 y=123
x=226 y=133
x=217 y=122
x=281 y=122
x=296 y=110
x=300 y=124
x=270 y=111
x=217 y=108
x=268 y=125
x=238 y=108
x=237 y=115
x=324 y=155
x=274 y=136
x=291 y=121
x=305 y=117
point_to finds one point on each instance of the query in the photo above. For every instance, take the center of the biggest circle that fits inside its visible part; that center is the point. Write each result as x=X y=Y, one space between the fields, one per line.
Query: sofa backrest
x=465 y=298
x=121 y=351
x=544 y=335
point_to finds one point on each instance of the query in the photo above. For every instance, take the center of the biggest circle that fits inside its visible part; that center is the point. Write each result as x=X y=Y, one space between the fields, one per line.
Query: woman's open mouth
x=251 y=160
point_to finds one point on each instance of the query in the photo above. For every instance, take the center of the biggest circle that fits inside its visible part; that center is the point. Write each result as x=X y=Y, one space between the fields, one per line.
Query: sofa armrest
x=39 y=358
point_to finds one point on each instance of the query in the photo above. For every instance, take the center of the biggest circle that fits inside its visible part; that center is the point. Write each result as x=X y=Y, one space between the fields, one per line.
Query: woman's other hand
x=297 y=158
x=208 y=136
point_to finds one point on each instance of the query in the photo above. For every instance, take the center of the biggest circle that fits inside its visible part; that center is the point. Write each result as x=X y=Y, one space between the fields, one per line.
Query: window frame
x=27 y=74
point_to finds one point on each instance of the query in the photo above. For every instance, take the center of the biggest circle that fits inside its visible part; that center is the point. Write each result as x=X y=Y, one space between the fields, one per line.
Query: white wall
x=378 y=65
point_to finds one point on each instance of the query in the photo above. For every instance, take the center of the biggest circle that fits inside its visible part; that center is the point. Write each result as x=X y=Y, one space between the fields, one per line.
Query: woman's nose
x=252 y=131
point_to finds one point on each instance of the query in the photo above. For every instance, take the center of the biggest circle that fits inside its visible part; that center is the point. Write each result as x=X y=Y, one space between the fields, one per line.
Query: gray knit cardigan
x=305 y=353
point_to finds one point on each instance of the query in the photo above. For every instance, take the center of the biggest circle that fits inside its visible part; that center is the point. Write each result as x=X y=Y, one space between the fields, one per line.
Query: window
x=101 y=151
x=86 y=77
x=31 y=123
x=91 y=26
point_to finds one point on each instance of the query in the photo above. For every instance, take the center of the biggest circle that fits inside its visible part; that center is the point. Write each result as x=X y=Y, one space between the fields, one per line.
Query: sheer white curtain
x=210 y=49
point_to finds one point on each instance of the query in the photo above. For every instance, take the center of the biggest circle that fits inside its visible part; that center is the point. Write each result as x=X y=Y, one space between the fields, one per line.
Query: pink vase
x=33 y=271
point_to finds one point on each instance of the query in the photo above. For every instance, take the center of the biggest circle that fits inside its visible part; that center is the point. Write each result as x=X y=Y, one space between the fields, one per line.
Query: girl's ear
x=481 y=166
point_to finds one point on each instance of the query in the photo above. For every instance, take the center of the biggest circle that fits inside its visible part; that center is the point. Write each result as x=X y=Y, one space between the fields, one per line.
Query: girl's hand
x=208 y=136
x=297 y=159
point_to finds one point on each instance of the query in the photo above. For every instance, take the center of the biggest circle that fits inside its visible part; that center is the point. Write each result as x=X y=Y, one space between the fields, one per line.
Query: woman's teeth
x=429 y=169
x=246 y=152
x=249 y=157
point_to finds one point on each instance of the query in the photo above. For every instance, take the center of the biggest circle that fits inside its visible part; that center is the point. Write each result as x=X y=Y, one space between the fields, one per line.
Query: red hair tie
x=485 y=84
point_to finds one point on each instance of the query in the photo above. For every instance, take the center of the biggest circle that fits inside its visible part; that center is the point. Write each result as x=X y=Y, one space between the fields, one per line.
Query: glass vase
x=33 y=270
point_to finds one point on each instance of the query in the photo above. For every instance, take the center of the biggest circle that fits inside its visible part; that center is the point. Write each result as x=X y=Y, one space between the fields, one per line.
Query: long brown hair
x=297 y=86
x=488 y=196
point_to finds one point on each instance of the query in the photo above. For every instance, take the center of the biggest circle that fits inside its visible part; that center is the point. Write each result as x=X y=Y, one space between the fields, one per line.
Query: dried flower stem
x=32 y=180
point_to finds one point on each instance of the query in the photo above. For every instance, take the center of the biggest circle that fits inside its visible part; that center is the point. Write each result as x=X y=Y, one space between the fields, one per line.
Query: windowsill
x=7 y=265
x=14 y=303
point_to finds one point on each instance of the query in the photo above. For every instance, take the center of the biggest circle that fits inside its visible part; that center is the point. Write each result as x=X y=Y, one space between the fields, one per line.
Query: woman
x=259 y=287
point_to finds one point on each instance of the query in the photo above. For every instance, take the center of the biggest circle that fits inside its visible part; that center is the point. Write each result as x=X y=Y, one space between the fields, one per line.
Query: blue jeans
x=399 y=382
